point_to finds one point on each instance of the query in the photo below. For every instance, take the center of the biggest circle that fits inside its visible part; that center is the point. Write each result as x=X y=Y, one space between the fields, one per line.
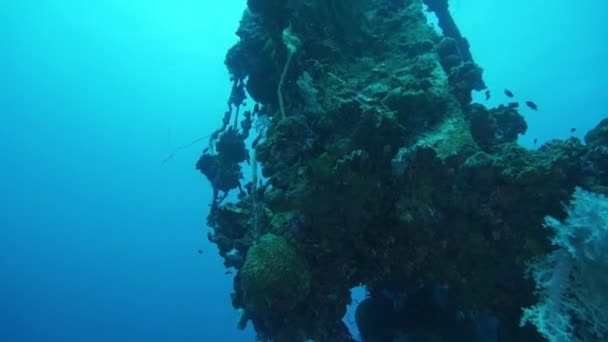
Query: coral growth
x=571 y=281
x=378 y=170
x=274 y=278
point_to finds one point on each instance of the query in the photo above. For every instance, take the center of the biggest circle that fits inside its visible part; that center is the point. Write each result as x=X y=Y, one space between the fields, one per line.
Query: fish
x=200 y=251
x=487 y=95
x=256 y=108
x=535 y=141
x=256 y=141
x=572 y=130
x=513 y=104
x=206 y=149
x=532 y=105
x=508 y=93
x=228 y=272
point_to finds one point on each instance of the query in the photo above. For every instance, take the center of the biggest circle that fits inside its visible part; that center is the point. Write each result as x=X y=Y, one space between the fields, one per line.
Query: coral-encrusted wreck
x=376 y=169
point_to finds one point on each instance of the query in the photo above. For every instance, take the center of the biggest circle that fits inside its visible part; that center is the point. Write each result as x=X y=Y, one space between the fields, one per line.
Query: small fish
x=228 y=272
x=256 y=108
x=532 y=105
x=487 y=95
x=572 y=130
x=508 y=93
x=535 y=141
x=200 y=251
x=206 y=149
x=256 y=141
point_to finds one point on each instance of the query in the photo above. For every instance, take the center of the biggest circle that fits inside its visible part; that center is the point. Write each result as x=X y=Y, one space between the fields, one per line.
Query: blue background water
x=98 y=240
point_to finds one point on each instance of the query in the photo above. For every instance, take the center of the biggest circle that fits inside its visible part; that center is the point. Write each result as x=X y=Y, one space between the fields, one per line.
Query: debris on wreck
x=377 y=170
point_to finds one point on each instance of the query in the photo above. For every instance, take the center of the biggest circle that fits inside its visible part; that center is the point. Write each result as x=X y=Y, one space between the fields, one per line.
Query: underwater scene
x=304 y=171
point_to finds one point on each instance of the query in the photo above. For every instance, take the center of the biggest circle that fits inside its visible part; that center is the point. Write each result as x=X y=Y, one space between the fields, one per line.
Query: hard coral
x=274 y=278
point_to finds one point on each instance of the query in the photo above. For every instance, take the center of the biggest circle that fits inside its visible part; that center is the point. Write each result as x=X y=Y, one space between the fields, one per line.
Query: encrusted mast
x=377 y=171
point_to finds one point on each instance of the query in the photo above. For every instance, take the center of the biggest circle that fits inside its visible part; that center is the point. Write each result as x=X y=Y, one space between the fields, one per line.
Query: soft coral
x=571 y=281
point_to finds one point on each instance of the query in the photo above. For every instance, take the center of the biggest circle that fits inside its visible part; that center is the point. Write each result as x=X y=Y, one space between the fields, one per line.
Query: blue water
x=98 y=239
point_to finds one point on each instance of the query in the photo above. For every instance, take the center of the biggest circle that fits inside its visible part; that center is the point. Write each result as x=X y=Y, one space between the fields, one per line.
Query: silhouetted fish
x=487 y=95
x=572 y=130
x=200 y=251
x=206 y=149
x=532 y=105
x=256 y=141
x=256 y=108
x=508 y=93
x=535 y=141
x=228 y=272
x=513 y=104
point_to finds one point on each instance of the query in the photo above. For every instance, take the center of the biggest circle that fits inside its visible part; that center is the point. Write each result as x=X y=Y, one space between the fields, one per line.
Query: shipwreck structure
x=369 y=165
